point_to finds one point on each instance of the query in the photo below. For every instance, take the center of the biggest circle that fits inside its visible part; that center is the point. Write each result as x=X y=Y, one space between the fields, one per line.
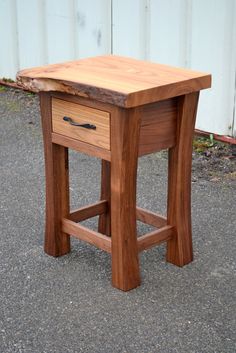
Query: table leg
x=125 y=127
x=104 y=223
x=179 y=249
x=56 y=242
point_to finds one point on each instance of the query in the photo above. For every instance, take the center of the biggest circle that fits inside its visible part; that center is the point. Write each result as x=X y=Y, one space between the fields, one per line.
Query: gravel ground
x=67 y=304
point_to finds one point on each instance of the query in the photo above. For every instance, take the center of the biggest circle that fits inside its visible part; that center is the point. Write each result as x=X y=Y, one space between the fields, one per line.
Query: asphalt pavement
x=67 y=304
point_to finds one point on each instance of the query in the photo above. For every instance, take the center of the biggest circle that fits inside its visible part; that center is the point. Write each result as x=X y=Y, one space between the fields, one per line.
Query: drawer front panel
x=81 y=114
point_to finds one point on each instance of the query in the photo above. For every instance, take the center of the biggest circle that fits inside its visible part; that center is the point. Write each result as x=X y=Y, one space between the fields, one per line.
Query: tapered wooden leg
x=56 y=242
x=179 y=249
x=104 y=223
x=125 y=127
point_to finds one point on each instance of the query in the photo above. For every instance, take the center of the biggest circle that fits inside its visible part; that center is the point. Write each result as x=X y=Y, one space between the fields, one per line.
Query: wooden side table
x=118 y=109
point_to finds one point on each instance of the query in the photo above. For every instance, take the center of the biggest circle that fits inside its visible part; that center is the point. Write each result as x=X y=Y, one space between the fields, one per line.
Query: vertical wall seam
x=112 y=25
x=187 y=33
x=74 y=29
x=15 y=24
x=233 y=128
x=44 y=32
x=146 y=29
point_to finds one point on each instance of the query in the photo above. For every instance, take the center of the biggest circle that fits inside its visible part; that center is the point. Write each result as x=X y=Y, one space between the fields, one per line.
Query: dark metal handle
x=86 y=125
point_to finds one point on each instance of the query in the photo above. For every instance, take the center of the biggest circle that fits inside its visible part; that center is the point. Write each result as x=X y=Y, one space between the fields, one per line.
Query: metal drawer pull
x=86 y=125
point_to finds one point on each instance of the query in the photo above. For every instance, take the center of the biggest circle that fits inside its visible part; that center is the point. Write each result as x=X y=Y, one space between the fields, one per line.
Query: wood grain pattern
x=81 y=114
x=104 y=222
x=146 y=116
x=89 y=211
x=91 y=103
x=158 y=126
x=150 y=218
x=90 y=236
x=179 y=249
x=125 y=128
x=121 y=81
x=155 y=237
x=56 y=242
x=81 y=146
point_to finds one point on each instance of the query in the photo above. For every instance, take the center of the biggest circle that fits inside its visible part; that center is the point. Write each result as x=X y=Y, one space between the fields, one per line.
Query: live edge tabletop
x=118 y=109
x=124 y=82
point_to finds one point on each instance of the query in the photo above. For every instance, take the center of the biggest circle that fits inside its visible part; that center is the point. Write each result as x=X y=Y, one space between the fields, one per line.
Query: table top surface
x=121 y=81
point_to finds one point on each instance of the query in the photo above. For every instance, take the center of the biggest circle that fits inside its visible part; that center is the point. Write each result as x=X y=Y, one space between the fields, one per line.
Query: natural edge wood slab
x=121 y=81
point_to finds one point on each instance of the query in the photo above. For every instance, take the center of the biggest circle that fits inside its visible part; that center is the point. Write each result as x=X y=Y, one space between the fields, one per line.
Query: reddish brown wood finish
x=81 y=114
x=121 y=81
x=151 y=107
x=89 y=211
x=125 y=128
x=158 y=126
x=155 y=237
x=179 y=249
x=90 y=236
x=150 y=218
x=104 y=223
x=57 y=243
x=76 y=144
x=81 y=146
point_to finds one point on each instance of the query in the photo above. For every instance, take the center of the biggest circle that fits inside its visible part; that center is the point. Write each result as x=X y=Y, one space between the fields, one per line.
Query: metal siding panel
x=233 y=129
x=193 y=33
x=30 y=33
x=129 y=28
x=93 y=27
x=213 y=50
x=233 y=120
x=168 y=32
x=60 y=34
x=8 y=39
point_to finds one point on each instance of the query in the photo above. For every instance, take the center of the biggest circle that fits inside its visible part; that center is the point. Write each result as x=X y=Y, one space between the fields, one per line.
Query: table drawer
x=81 y=114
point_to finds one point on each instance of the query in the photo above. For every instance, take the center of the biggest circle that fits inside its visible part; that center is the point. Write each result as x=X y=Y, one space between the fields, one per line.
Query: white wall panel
x=214 y=50
x=93 y=27
x=200 y=34
x=130 y=28
x=30 y=29
x=169 y=32
x=8 y=39
x=59 y=17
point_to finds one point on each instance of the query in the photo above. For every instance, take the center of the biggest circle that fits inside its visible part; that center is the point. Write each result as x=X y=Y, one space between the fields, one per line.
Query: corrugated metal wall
x=199 y=34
